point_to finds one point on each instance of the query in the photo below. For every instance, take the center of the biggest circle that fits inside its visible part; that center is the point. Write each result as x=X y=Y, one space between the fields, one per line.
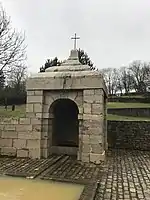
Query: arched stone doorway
x=65 y=126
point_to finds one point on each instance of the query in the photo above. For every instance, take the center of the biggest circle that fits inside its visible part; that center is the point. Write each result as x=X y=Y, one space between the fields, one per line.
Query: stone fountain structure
x=70 y=102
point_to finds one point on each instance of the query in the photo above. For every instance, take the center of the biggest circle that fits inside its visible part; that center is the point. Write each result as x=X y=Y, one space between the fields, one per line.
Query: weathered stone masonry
x=129 y=135
x=20 y=137
x=33 y=135
x=87 y=90
x=91 y=109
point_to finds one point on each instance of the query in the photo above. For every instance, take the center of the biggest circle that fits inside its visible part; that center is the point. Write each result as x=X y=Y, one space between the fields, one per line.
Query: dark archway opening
x=65 y=125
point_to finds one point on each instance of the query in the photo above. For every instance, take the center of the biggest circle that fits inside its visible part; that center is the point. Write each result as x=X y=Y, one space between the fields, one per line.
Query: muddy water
x=23 y=189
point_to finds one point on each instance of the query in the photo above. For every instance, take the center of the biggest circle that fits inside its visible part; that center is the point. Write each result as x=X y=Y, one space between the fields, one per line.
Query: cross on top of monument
x=75 y=38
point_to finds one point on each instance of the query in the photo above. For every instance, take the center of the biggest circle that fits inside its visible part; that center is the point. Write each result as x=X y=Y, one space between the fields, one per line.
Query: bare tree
x=140 y=72
x=126 y=79
x=12 y=48
x=110 y=77
x=2 y=80
x=107 y=78
x=118 y=80
x=17 y=78
x=119 y=83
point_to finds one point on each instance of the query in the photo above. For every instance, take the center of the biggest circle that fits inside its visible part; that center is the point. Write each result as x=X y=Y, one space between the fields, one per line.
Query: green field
x=127 y=105
x=20 y=111
x=126 y=118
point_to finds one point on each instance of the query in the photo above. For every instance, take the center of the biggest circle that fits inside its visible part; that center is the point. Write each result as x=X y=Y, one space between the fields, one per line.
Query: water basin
x=24 y=189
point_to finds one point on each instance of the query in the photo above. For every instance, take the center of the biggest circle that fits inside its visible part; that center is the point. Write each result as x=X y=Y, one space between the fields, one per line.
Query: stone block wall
x=92 y=120
x=34 y=104
x=129 y=135
x=20 y=137
x=32 y=136
x=93 y=135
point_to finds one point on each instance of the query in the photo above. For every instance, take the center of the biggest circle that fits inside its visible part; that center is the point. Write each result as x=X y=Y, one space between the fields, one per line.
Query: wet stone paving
x=124 y=175
x=69 y=169
x=29 y=168
x=57 y=168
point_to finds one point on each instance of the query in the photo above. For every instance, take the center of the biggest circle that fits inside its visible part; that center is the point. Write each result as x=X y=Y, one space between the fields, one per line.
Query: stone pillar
x=93 y=142
x=34 y=109
x=50 y=133
x=79 y=154
x=34 y=104
x=47 y=124
x=45 y=144
x=105 y=123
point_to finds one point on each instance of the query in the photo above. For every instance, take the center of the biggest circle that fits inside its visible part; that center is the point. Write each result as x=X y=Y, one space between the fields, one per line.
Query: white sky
x=113 y=32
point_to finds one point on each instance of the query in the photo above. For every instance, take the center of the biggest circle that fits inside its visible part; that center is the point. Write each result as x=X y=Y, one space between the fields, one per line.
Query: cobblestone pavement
x=26 y=167
x=56 y=167
x=69 y=169
x=125 y=175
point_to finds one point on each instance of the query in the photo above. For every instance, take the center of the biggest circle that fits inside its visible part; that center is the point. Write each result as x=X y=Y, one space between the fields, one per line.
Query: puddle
x=24 y=189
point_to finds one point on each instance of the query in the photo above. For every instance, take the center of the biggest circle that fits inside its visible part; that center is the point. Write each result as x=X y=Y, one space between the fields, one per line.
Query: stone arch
x=64 y=123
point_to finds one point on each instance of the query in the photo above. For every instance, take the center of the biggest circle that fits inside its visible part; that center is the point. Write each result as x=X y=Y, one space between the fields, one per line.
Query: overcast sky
x=113 y=32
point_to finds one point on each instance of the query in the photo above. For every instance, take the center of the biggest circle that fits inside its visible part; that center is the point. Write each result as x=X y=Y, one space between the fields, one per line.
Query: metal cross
x=75 y=40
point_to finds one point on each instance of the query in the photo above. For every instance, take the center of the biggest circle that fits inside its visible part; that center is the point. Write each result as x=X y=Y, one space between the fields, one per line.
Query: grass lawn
x=19 y=112
x=132 y=96
x=126 y=118
x=127 y=105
